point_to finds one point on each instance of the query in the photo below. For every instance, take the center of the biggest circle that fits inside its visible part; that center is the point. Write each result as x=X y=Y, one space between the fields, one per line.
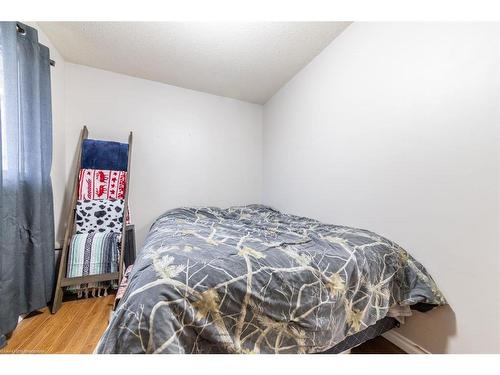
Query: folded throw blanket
x=100 y=215
x=104 y=155
x=101 y=184
x=93 y=254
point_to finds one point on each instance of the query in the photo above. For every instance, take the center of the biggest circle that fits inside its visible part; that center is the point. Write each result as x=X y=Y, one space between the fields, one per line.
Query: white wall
x=189 y=148
x=395 y=128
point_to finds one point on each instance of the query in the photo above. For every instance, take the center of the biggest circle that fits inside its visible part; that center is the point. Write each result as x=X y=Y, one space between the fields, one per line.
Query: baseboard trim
x=404 y=343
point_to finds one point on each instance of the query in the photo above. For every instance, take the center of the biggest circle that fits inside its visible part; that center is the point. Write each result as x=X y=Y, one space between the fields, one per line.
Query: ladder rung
x=90 y=279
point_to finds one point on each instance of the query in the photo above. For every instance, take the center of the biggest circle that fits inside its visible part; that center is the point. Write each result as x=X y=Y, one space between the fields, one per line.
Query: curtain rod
x=22 y=31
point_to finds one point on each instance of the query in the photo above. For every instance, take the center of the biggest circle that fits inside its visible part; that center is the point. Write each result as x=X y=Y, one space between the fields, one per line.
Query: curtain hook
x=20 y=30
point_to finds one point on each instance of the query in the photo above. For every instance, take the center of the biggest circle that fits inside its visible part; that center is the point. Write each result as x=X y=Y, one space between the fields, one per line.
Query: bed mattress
x=253 y=280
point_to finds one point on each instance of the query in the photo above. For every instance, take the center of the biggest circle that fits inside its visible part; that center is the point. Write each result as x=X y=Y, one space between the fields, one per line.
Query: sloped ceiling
x=246 y=61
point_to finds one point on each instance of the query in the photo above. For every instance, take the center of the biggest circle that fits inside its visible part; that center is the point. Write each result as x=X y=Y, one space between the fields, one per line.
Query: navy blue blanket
x=105 y=155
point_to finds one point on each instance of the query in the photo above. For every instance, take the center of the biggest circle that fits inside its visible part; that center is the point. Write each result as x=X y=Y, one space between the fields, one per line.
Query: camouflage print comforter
x=253 y=280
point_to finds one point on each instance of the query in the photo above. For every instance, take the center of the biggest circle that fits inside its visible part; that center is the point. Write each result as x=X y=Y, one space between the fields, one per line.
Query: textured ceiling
x=247 y=61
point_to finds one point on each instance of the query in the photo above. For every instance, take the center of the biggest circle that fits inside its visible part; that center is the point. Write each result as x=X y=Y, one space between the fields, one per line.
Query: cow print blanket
x=100 y=215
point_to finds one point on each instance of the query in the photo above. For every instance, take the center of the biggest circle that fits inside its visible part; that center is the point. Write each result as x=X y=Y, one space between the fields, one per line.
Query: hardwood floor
x=78 y=325
x=378 y=345
x=76 y=328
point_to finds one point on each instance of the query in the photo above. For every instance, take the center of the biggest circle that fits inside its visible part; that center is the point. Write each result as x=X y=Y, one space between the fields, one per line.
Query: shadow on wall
x=68 y=191
x=63 y=219
x=432 y=329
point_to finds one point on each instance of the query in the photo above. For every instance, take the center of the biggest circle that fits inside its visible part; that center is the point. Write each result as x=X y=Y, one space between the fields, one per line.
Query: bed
x=250 y=279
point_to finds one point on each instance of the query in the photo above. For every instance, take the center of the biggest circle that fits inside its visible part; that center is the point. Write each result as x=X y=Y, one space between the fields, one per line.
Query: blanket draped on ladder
x=92 y=254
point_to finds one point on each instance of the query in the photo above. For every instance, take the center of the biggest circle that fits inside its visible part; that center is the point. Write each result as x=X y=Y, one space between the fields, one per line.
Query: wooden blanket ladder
x=62 y=280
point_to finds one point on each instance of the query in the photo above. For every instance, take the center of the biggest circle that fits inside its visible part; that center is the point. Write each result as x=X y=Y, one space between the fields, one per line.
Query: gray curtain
x=26 y=206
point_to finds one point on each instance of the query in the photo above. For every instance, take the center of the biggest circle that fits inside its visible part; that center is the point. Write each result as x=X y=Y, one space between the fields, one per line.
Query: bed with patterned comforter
x=253 y=280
